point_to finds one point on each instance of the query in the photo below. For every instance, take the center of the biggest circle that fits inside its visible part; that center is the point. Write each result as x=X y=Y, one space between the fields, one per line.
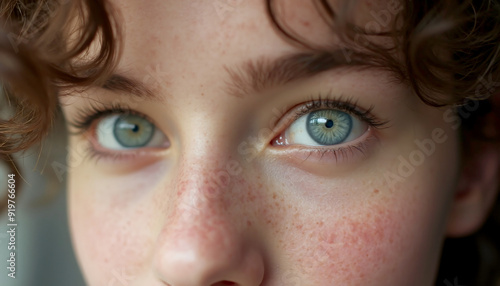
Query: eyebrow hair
x=254 y=76
x=118 y=82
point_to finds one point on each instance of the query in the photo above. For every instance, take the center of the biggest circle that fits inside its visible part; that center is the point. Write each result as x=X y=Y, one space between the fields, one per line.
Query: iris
x=133 y=131
x=328 y=127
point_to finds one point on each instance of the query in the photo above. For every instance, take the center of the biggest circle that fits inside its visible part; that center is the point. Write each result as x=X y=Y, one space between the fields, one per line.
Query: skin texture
x=207 y=210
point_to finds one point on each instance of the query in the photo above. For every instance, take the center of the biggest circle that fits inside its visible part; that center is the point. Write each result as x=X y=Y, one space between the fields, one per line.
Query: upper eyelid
x=86 y=117
x=341 y=103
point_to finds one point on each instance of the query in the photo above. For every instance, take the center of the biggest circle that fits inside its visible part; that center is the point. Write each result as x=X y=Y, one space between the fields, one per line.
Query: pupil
x=329 y=123
x=135 y=129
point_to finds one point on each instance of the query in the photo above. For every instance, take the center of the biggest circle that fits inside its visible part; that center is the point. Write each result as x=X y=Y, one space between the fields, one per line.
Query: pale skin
x=215 y=202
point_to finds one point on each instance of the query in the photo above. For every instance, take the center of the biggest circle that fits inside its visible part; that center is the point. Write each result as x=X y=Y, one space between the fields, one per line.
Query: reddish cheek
x=341 y=244
x=347 y=248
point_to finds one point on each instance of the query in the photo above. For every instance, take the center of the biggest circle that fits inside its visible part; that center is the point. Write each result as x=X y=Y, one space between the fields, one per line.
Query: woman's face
x=227 y=160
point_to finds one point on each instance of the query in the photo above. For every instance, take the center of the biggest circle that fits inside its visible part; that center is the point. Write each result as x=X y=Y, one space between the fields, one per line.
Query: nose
x=202 y=243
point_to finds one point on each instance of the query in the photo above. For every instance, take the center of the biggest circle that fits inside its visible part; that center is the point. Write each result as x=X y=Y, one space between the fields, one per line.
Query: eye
x=323 y=127
x=128 y=131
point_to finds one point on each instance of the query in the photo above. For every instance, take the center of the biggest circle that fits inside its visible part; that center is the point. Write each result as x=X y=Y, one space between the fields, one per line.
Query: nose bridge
x=201 y=199
x=204 y=181
x=201 y=189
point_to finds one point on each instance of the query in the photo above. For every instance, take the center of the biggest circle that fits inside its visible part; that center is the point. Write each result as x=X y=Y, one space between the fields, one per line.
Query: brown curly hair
x=37 y=60
x=447 y=51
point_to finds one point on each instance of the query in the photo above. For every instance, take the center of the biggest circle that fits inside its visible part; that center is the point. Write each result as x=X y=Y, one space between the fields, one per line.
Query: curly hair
x=39 y=42
x=447 y=51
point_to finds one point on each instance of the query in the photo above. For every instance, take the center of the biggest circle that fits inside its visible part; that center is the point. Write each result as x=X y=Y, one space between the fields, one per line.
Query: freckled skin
x=184 y=218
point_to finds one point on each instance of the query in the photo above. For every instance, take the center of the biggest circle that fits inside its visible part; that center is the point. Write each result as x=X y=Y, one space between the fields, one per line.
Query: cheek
x=360 y=231
x=344 y=247
x=111 y=223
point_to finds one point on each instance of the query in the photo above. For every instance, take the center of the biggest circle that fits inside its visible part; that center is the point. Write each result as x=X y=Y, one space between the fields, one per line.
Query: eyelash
x=86 y=117
x=348 y=105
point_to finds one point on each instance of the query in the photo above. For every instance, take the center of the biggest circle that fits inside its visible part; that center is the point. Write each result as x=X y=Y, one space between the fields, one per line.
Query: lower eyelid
x=101 y=154
x=132 y=151
x=350 y=152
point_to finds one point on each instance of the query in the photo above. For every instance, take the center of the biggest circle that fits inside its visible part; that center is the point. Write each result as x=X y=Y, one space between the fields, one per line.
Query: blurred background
x=44 y=255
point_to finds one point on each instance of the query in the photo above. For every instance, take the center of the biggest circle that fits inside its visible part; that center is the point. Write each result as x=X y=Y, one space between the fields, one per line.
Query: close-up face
x=219 y=155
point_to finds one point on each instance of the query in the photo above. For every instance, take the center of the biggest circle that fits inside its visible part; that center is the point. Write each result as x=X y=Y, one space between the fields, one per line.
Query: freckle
x=249 y=223
x=375 y=191
x=274 y=196
x=251 y=197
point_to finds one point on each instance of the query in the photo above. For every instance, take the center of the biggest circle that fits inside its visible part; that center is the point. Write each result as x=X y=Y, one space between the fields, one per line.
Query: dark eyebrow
x=254 y=76
x=118 y=82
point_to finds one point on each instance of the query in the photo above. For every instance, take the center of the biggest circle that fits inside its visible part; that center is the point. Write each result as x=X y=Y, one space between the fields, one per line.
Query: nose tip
x=204 y=247
x=211 y=265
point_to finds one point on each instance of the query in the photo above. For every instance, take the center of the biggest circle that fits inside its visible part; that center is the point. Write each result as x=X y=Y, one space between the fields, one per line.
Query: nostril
x=224 y=283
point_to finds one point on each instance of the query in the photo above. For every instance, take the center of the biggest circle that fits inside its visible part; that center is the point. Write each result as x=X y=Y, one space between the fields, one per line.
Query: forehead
x=234 y=25
x=172 y=28
x=182 y=38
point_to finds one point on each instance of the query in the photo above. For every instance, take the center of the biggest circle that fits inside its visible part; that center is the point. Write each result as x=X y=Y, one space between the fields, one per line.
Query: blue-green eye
x=128 y=131
x=324 y=128
x=133 y=131
x=328 y=127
